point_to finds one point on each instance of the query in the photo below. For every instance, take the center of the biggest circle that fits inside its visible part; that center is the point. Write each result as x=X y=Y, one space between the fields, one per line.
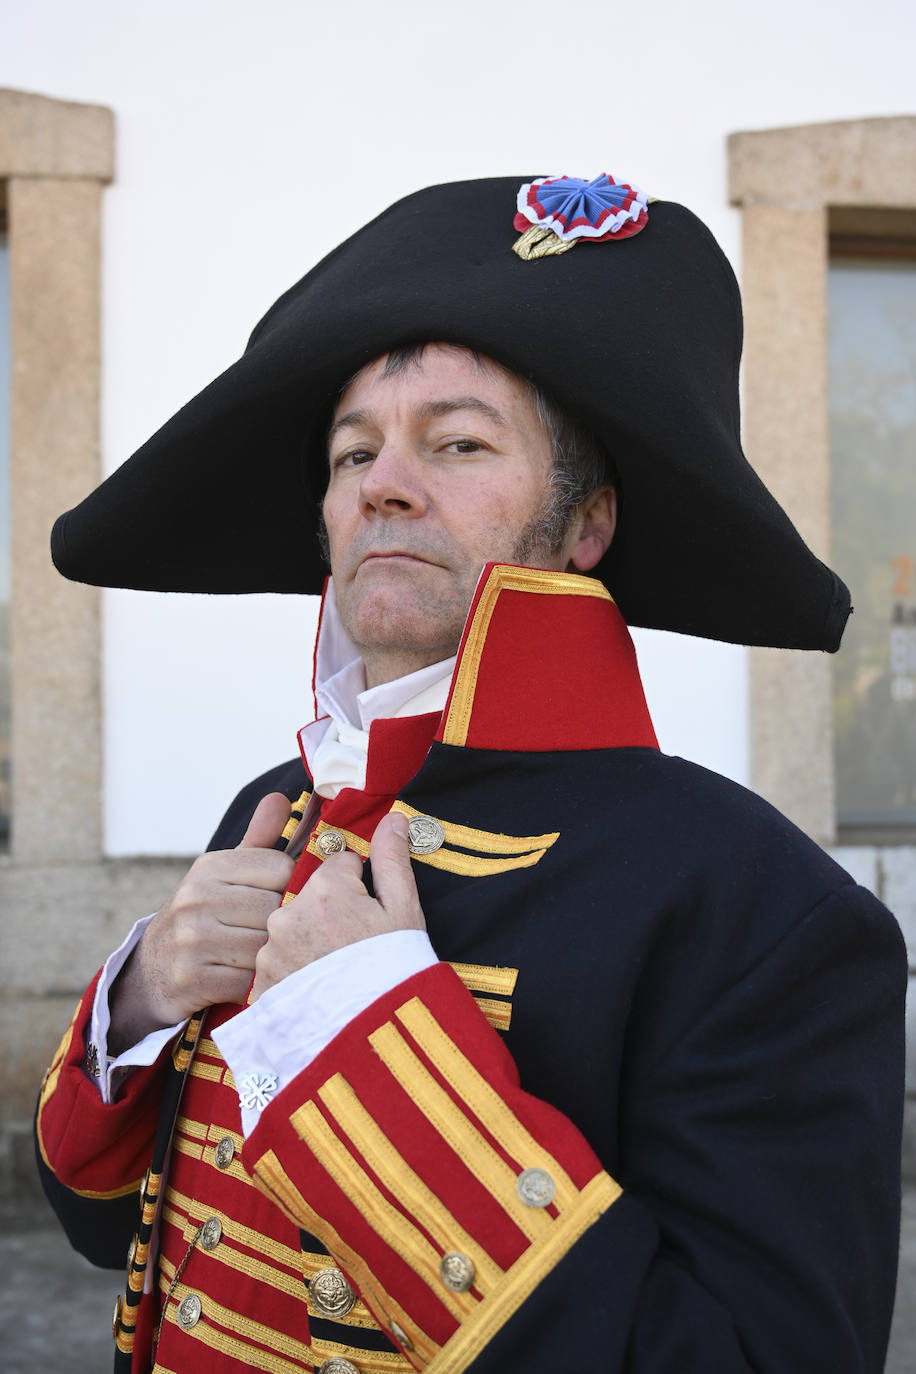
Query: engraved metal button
x=424 y=834
x=132 y=1252
x=330 y=842
x=116 y=1316
x=144 y=1186
x=400 y=1335
x=337 y=1365
x=535 y=1187
x=224 y=1153
x=189 y=1310
x=457 y=1271
x=211 y=1233
x=330 y=1295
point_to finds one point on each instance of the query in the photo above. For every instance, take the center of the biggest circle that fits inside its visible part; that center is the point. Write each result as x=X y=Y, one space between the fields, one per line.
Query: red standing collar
x=546 y=662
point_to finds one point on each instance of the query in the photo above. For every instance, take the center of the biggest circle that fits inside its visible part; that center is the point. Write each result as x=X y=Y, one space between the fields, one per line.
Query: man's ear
x=592 y=530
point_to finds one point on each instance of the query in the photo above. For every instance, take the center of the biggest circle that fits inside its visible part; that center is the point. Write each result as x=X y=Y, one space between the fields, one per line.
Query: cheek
x=501 y=510
x=334 y=513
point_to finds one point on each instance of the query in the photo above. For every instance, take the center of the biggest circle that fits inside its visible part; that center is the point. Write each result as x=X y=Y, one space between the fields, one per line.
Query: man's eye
x=465 y=445
x=354 y=457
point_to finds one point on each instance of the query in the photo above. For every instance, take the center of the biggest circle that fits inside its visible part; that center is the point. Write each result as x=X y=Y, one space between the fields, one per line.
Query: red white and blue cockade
x=599 y=210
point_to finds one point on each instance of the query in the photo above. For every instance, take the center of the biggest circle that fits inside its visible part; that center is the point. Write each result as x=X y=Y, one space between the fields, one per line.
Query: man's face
x=433 y=472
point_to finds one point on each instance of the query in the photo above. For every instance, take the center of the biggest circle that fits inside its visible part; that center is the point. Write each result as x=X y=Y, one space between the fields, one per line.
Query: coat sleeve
x=753 y=1226
x=91 y=1155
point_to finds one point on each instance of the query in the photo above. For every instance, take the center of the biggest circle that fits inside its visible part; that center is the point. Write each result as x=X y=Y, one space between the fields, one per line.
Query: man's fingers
x=392 y=873
x=266 y=825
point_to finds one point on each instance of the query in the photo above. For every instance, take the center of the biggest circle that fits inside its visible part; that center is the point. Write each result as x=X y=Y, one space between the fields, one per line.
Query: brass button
x=116 y=1316
x=224 y=1153
x=400 y=1335
x=337 y=1365
x=132 y=1252
x=330 y=1295
x=424 y=835
x=330 y=842
x=211 y=1233
x=457 y=1271
x=189 y=1310
x=535 y=1187
x=144 y=1186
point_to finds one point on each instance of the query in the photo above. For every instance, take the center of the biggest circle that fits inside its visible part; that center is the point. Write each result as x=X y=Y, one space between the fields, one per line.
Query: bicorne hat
x=627 y=313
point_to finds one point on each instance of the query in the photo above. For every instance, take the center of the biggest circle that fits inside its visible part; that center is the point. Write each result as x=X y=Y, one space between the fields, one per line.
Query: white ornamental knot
x=256 y=1090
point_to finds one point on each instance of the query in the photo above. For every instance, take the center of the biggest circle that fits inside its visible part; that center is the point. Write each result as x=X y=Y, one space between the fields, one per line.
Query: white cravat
x=336 y=745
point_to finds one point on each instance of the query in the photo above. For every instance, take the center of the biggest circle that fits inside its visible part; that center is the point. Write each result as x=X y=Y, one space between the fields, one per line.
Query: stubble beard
x=544 y=535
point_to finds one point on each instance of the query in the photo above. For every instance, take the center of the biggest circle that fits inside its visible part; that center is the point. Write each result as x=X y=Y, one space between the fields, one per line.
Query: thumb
x=392 y=872
x=266 y=825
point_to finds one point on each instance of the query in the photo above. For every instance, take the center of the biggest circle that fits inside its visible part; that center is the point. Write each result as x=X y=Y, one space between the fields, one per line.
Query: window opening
x=872 y=407
x=4 y=536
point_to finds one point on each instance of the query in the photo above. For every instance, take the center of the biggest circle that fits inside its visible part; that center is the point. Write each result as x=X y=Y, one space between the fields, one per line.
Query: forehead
x=439 y=371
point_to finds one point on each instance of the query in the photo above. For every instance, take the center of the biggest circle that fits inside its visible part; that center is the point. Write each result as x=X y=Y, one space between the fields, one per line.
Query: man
x=599 y=1060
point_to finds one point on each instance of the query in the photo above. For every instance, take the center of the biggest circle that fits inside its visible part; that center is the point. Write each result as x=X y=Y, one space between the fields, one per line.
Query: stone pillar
x=56 y=700
x=57 y=894
x=786 y=437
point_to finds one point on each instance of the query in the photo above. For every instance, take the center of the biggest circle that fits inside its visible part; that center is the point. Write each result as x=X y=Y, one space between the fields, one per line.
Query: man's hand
x=201 y=947
x=334 y=908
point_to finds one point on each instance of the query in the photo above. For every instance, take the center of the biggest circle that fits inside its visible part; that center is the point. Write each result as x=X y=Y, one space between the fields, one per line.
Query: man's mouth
x=393 y=555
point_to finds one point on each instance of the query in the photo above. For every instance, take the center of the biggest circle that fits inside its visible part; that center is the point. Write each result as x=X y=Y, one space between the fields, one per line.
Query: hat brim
x=639 y=339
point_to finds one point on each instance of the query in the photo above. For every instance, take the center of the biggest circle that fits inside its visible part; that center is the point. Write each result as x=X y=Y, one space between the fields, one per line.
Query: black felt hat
x=640 y=338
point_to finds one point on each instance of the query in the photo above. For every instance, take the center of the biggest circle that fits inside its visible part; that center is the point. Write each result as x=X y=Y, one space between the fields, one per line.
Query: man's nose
x=392 y=484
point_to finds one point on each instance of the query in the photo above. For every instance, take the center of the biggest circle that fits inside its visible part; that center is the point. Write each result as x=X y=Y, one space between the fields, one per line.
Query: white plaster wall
x=252 y=138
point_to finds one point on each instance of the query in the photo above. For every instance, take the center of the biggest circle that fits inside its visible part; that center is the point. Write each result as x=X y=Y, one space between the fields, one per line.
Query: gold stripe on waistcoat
x=273 y=1277
x=243 y=1235
x=398 y=1177
x=455 y=1127
x=197 y=1149
x=187 y=1213
x=387 y=1361
x=281 y=1348
x=209 y=1047
x=212 y=1073
x=209 y=1132
x=277 y=1185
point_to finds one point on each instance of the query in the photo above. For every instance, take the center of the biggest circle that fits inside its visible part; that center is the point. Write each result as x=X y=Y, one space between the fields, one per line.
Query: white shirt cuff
x=267 y=1044
x=112 y=1072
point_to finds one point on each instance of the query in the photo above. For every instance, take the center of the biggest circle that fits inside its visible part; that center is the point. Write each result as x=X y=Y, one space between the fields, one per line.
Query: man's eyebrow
x=429 y=410
x=349 y=421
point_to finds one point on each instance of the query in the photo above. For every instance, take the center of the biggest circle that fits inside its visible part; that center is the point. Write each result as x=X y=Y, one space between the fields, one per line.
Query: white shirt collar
x=337 y=742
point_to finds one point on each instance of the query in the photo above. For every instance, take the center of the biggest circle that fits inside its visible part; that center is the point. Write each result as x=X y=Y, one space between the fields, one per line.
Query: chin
x=405 y=625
